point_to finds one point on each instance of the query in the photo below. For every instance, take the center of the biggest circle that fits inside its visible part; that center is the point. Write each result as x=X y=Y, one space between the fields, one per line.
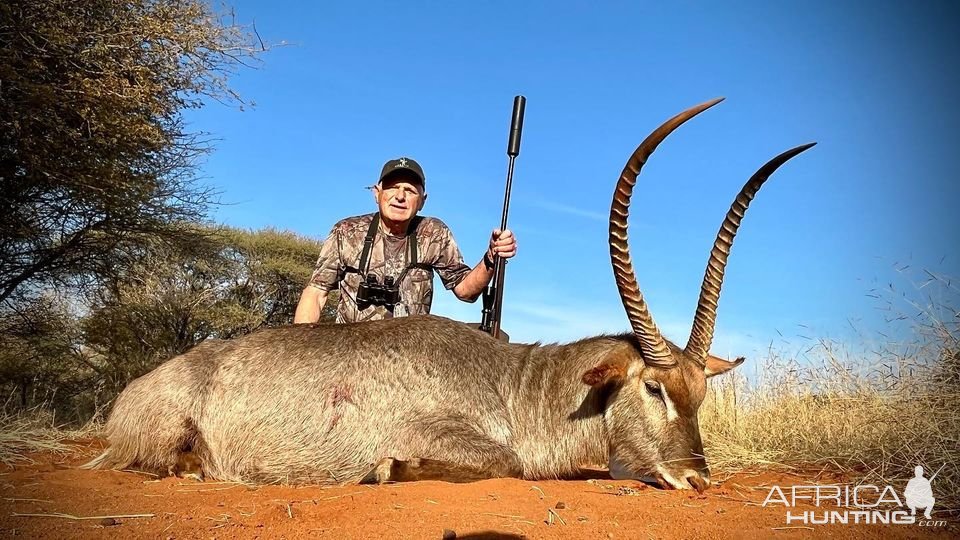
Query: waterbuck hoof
x=381 y=473
x=189 y=465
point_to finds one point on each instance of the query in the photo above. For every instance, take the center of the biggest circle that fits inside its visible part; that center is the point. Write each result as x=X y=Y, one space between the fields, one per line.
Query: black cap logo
x=403 y=165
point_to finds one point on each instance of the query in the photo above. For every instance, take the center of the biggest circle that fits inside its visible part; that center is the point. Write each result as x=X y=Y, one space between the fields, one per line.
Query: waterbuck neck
x=558 y=422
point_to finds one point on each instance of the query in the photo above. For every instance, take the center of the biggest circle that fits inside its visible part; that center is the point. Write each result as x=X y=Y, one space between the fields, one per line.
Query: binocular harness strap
x=363 y=266
x=368 y=243
x=412 y=241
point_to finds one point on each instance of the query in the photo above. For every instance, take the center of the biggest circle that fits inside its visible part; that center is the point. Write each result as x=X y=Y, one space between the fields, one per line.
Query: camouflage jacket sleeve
x=329 y=269
x=449 y=264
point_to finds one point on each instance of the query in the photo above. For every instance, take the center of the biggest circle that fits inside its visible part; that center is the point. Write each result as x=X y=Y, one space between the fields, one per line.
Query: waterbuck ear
x=716 y=365
x=604 y=373
x=612 y=368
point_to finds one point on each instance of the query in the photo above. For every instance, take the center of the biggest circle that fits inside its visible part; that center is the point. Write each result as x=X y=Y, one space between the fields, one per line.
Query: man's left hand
x=502 y=244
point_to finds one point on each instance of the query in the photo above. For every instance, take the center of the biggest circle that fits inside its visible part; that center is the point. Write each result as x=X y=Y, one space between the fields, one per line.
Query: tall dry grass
x=871 y=414
x=31 y=431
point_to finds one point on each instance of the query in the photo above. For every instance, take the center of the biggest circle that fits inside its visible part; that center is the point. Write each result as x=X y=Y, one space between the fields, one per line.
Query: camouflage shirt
x=341 y=251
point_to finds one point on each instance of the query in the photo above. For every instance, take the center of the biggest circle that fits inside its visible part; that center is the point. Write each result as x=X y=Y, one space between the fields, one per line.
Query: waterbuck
x=430 y=398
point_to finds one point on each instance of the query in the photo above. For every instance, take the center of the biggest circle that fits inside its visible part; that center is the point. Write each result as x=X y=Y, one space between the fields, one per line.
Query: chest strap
x=368 y=244
x=363 y=266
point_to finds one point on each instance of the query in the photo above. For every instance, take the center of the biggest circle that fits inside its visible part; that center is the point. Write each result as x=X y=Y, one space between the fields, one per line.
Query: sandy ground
x=54 y=488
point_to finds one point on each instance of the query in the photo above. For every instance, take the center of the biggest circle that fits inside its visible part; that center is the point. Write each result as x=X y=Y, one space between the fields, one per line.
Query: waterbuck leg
x=447 y=449
x=395 y=470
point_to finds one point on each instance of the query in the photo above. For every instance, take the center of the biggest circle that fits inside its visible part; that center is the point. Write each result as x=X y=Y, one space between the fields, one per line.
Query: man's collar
x=386 y=230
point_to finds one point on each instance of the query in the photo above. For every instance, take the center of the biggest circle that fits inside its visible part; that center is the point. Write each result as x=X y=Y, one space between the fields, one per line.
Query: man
x=919 y=494
x=383 y=263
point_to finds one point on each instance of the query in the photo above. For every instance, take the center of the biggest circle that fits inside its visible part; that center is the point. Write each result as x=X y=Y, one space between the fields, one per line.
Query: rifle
x=936 y=473
x=493 y=294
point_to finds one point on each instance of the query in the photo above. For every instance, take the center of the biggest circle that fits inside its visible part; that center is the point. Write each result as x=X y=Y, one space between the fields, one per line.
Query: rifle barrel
x=513 y=150
x=936 y=473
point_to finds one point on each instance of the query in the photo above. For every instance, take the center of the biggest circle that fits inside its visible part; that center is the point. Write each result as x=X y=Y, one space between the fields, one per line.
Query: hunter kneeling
x=383 y=263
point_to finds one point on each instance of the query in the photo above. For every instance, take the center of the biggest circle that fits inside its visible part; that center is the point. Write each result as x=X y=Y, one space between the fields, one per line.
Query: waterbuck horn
x=652 y=345
x=701 y=336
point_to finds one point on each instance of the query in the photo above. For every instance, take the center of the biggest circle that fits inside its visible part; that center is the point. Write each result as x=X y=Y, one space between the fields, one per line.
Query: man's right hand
x=312 y=300
x=502 y=244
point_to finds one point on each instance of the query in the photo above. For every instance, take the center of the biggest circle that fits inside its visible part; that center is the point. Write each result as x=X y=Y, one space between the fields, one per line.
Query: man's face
x=399 y=197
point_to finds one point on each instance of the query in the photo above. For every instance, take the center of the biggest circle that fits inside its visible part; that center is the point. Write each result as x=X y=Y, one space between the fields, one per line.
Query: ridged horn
x=652 y=345
x=701 y=336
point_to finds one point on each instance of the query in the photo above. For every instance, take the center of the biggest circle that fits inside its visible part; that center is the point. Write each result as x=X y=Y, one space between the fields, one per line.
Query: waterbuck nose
x=699 y=481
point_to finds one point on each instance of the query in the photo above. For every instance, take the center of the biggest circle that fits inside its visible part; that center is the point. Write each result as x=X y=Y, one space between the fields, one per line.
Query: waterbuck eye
x=654 y=388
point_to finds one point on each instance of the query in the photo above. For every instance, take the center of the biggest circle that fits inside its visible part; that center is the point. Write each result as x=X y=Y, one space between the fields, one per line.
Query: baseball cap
x=402 y=164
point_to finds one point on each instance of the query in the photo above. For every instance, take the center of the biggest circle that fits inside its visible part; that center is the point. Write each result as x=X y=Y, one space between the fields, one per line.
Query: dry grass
x=873 y=416
x=34 y=430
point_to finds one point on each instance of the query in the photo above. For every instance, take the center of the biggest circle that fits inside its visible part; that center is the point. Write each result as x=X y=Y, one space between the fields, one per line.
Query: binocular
x=372 y=293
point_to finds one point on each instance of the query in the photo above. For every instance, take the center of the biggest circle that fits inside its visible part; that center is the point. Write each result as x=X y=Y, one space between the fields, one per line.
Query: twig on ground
x=551 y=514
x=140 y=472
x=204 y=490
x=346 y=495
x=745 y=501
x=78 y=518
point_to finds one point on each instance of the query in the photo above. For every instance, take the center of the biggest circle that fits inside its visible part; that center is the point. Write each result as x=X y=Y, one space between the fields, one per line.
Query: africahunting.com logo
x=865 y=504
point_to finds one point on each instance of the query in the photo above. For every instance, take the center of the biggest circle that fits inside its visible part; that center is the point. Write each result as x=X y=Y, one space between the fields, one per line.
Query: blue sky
x=873 y=83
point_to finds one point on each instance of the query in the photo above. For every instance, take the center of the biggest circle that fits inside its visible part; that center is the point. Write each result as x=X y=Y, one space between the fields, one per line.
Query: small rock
x=721 y=511
x=449 y=534
x=109 y=522
x=560 y=505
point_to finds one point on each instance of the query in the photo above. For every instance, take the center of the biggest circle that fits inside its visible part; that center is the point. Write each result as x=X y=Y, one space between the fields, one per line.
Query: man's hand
x=502 y=244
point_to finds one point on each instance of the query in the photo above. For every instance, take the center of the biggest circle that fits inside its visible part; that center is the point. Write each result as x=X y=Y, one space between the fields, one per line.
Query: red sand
x=502 y=508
